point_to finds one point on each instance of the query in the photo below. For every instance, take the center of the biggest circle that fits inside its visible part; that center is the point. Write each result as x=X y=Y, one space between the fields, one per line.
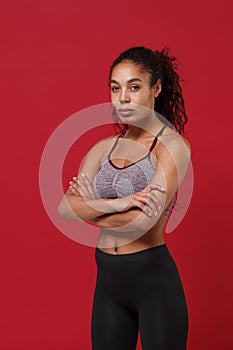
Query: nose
x=124 y=96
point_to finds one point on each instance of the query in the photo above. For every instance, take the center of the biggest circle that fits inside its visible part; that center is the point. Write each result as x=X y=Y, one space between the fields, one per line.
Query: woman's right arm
x=173 y=160
x=85 y=207
x=78 y=207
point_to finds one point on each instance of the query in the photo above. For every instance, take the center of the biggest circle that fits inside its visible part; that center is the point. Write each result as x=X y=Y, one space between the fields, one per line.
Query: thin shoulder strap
x=114 y=145
x=156 y=137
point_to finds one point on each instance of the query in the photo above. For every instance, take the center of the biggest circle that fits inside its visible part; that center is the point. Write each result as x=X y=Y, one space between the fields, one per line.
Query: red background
x=55 y=57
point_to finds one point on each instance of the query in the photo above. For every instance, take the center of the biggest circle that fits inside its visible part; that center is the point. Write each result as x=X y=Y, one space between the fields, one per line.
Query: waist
x=99 y=253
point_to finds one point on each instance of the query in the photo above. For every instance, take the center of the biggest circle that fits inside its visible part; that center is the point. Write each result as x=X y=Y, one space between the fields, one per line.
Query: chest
x=115 y=181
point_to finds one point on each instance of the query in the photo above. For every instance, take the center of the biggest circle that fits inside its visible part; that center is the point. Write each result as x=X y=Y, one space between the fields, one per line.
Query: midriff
x=151 y=238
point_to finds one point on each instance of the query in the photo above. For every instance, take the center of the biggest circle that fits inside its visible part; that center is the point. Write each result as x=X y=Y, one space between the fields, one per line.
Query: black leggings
x=141 y=291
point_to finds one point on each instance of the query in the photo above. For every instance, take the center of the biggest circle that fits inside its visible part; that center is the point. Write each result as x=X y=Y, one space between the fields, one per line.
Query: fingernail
x=70 y=182
x=74 y=178
x=83 y=175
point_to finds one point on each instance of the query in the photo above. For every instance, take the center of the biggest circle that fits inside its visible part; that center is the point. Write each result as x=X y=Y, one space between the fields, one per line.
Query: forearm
x=116 y=219
x=78 y=208
x=131 y=220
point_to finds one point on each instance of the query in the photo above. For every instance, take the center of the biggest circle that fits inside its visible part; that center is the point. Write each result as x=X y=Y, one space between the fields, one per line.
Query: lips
x=126 y=111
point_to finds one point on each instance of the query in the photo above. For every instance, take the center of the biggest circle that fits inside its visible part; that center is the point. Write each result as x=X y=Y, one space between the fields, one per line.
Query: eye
x=114 y=88
x=134 y=87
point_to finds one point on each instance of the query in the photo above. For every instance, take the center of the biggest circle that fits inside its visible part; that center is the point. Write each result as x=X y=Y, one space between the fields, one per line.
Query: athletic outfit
x=140 y=291
x=114 y=182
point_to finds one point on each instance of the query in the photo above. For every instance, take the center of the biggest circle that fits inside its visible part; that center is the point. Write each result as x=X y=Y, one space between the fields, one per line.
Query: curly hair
x=170 y=101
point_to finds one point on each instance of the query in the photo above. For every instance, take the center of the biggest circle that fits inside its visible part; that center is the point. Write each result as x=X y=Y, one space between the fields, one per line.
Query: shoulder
x=187 y=143
x=101 y=148
x=96 y=155
x=172 y=142
x=105 y=142
x=173 y=152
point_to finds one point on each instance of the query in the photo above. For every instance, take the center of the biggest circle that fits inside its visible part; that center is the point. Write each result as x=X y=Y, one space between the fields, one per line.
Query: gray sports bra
x=114 y=182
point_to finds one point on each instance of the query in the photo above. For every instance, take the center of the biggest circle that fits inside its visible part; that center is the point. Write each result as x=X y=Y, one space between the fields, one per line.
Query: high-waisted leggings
x=139 y=292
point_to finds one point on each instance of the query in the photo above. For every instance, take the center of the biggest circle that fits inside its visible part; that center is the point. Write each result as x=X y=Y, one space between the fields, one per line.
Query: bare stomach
x=117 y=244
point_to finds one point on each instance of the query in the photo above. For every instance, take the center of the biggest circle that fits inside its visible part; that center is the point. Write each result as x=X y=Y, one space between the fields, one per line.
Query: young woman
x=127 y=186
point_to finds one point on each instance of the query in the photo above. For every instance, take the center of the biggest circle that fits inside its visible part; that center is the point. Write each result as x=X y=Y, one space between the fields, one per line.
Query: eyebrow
x=129 y=81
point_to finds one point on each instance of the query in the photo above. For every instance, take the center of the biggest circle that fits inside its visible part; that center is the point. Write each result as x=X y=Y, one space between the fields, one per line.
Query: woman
x=127 y=186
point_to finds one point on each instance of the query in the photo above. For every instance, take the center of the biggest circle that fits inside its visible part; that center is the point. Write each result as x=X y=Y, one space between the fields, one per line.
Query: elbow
x=61 y=211
x=66 y=212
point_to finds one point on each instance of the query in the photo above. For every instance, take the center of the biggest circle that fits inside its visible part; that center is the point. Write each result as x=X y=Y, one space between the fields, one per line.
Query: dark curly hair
x=170 y=101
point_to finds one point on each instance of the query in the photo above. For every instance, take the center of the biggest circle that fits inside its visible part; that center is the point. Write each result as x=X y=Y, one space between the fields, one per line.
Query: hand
x=146 y=200
x=74 y=187
x=82 y=187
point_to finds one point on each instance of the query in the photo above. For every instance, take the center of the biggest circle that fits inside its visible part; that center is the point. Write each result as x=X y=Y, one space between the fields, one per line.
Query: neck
x=143 y=129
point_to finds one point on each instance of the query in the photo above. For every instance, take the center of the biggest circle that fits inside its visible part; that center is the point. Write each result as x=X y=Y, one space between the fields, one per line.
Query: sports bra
x=114 y=182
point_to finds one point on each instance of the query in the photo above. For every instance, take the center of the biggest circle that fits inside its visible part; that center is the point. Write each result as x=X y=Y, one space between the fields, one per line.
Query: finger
x=81 y=185
x=150 y=201
x=141 y=197
x=85 y=187
x=74 y=188
x=155 y=199
x=145 y=208
x=74 y=185
x=144 y=197
x=146 y=204
x=155 y=206
x=146 y=189
x=88 y=185
x=75 y=179
x=73 y=191
x=156 y=187
x=82 y=188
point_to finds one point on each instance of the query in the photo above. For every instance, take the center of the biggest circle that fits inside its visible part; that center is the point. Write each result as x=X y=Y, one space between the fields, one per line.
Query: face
x=131 y=91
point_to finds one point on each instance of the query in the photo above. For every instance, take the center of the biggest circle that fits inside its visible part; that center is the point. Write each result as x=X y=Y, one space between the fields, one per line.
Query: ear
x=157 y=88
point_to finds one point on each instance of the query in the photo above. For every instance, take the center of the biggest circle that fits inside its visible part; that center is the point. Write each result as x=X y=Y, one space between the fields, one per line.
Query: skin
x=130 y=89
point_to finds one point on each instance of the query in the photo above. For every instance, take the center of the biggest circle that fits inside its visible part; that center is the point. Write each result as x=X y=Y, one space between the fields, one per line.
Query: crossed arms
x=138 y=211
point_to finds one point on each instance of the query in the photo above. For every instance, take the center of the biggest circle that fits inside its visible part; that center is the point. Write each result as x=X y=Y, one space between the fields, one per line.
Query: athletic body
x=138 y=286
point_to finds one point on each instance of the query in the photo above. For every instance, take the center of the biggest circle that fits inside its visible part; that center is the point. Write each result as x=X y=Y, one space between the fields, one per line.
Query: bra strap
x=122 y=134
x=114 y=145
x=156 y=137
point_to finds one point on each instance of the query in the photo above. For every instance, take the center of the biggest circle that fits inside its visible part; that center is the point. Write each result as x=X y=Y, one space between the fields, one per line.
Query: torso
x=152 y=238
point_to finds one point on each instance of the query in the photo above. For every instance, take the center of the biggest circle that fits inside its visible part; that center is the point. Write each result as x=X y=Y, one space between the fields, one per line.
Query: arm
x=89 y=209
x=173 y=156
x=118 y=220
x=85 y=206
x=78 y=207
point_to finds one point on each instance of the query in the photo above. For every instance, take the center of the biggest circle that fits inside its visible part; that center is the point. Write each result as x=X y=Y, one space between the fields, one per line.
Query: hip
x=139 y=275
